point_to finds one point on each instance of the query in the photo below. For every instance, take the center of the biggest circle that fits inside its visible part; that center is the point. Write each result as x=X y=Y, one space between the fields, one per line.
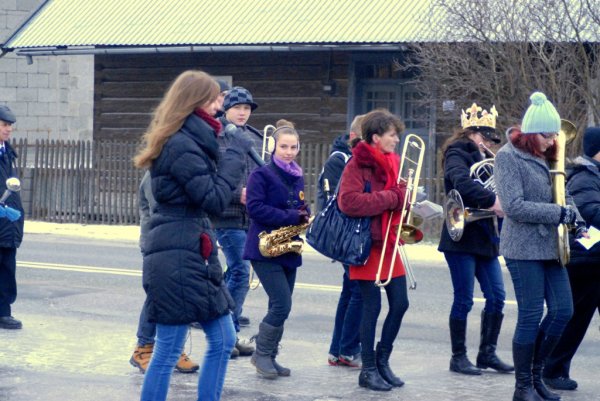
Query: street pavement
x=78 y=336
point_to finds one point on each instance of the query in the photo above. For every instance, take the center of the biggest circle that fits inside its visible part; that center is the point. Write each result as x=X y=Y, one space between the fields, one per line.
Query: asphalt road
x=79 y=300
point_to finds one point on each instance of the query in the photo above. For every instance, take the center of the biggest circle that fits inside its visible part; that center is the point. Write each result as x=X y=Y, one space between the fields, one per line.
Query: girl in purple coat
x=275 y=199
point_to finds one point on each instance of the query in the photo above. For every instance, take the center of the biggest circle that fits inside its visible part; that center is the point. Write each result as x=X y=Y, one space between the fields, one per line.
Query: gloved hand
x=304 y=215
x=400 y=194
x=239 y=139
x=10 y=213
x=580 y=230
x=568 y=215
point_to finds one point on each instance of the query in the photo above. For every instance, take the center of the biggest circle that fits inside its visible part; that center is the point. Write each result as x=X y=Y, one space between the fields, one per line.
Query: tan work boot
x=141 y=357
x=186 y=365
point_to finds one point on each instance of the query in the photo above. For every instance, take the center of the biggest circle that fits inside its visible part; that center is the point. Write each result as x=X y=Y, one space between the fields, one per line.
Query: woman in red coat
x=375 y=162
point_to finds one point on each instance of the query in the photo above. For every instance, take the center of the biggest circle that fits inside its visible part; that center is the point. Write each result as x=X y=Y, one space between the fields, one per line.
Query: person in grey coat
x=529 y=243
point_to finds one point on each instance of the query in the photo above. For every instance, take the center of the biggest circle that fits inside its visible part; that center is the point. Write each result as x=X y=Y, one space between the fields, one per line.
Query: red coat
x=353 y=201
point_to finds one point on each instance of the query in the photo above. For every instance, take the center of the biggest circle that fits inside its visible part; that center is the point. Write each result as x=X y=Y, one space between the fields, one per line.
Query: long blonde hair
x=190 y=90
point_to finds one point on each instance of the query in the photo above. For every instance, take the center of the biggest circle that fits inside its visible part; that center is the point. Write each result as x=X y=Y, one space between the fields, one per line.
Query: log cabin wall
x=284 y=85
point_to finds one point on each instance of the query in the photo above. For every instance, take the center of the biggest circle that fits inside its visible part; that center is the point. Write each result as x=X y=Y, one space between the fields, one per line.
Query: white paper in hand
x=594 y=238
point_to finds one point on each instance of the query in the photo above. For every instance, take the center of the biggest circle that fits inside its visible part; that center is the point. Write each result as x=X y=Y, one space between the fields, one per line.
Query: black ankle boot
x=523 y=358
x=543 y=348
x=459 y=362
x=382 y=357
x=265 y=344
x=371 y=379
x=491 y=323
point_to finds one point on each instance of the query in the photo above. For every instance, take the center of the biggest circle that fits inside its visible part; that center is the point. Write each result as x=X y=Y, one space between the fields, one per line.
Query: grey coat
x=524 y=187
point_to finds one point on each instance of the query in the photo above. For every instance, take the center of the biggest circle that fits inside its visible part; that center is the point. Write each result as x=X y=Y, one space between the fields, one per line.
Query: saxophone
x=281 y=241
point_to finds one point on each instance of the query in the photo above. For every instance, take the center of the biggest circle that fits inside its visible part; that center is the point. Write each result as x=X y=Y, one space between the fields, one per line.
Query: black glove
x=568 y=215
x=580 y=230
x=239 y=139
x=304 y=215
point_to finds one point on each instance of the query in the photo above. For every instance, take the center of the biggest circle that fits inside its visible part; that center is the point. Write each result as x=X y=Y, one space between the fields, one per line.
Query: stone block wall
x=53 y=97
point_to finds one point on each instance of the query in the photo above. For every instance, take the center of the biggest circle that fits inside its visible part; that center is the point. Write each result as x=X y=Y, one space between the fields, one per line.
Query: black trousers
x=8 y=281
x=585 y=288
x=278 y=283
x=398 y=304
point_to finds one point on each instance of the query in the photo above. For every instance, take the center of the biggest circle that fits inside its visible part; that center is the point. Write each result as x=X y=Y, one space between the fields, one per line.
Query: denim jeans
x=346 y=330
x=237 y=275
x=464 y=268
x=170 y=339
x=278 y=283
x=397 y=296
x=146 y=330
x=534 y=282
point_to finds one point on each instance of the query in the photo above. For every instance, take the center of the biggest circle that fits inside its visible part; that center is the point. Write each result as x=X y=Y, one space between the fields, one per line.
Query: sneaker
x=244 y=347
x=333 y=360
x=244 y=321
x=141 y=357
x=186 y=365
x=352 y=361
x=10 y=323
x=561 y=383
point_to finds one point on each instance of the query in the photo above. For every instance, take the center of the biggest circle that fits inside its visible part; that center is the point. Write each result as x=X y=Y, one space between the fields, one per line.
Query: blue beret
x=7 y=115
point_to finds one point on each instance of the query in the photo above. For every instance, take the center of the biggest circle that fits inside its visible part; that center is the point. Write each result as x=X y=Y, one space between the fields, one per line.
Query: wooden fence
x=95 y=182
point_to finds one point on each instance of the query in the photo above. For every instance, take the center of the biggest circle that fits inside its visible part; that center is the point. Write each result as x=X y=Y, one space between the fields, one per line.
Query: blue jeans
x=346 y=330
x=170 y=339
x=146 y=330
x=534 y=282
x=464 y=268
x=278 y=283
x=237 y=275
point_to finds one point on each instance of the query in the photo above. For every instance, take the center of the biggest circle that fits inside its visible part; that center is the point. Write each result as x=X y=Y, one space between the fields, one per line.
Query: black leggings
x=398 y=304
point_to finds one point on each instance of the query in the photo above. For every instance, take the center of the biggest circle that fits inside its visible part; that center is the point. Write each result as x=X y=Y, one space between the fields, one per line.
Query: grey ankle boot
x=281 y=370
x=266 y=342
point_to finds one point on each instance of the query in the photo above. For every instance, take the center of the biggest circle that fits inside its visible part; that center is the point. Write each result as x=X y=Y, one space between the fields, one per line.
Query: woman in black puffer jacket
x=183 y=278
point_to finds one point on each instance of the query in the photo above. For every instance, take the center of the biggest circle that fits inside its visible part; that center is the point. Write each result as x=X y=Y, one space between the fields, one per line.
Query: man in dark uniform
x=11 y=232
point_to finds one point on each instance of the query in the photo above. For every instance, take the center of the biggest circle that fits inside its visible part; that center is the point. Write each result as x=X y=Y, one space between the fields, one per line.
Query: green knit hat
x=541 y=117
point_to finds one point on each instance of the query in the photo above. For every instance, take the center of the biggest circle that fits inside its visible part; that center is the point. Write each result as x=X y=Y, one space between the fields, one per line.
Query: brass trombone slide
x=413 y=162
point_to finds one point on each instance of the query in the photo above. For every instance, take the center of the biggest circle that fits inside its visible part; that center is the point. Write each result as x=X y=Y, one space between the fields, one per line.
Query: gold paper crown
x=469 y=118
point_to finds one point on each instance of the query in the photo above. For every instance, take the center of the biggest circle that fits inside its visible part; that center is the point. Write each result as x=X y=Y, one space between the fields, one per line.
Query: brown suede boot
x=186 y=365
x=141 y=356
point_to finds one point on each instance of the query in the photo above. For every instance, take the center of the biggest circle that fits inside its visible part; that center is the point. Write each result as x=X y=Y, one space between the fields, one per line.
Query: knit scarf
x=210 y=120
x=292 y=168
x=390 y=164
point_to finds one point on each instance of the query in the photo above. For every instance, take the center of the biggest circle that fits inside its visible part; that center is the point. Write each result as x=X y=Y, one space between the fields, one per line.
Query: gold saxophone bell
x=281 y=241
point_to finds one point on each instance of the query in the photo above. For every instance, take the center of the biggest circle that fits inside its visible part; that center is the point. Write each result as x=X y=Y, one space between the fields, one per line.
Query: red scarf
x=210 y=120
x=390 y=163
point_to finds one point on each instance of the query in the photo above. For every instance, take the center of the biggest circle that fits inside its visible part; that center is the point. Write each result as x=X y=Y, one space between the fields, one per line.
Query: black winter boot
x=523 y=358
x=371 y=379
x=491 y=323
x=266 y=342
x=382 y=357
x=543 y=348
x=281 y=370
x=459 y=362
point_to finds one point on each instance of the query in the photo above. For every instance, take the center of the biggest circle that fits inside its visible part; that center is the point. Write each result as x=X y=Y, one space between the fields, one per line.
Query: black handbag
x=340 y=237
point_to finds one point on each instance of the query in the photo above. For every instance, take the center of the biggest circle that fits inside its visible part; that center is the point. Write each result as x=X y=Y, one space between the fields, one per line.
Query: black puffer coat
x=11 y=232
x=584 y=185
x=479 y=236
x=181 y=285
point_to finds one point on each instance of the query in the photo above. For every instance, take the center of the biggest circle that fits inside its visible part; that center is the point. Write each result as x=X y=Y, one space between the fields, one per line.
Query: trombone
x=267 y=148
x=413 y=153
x=268 y=141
